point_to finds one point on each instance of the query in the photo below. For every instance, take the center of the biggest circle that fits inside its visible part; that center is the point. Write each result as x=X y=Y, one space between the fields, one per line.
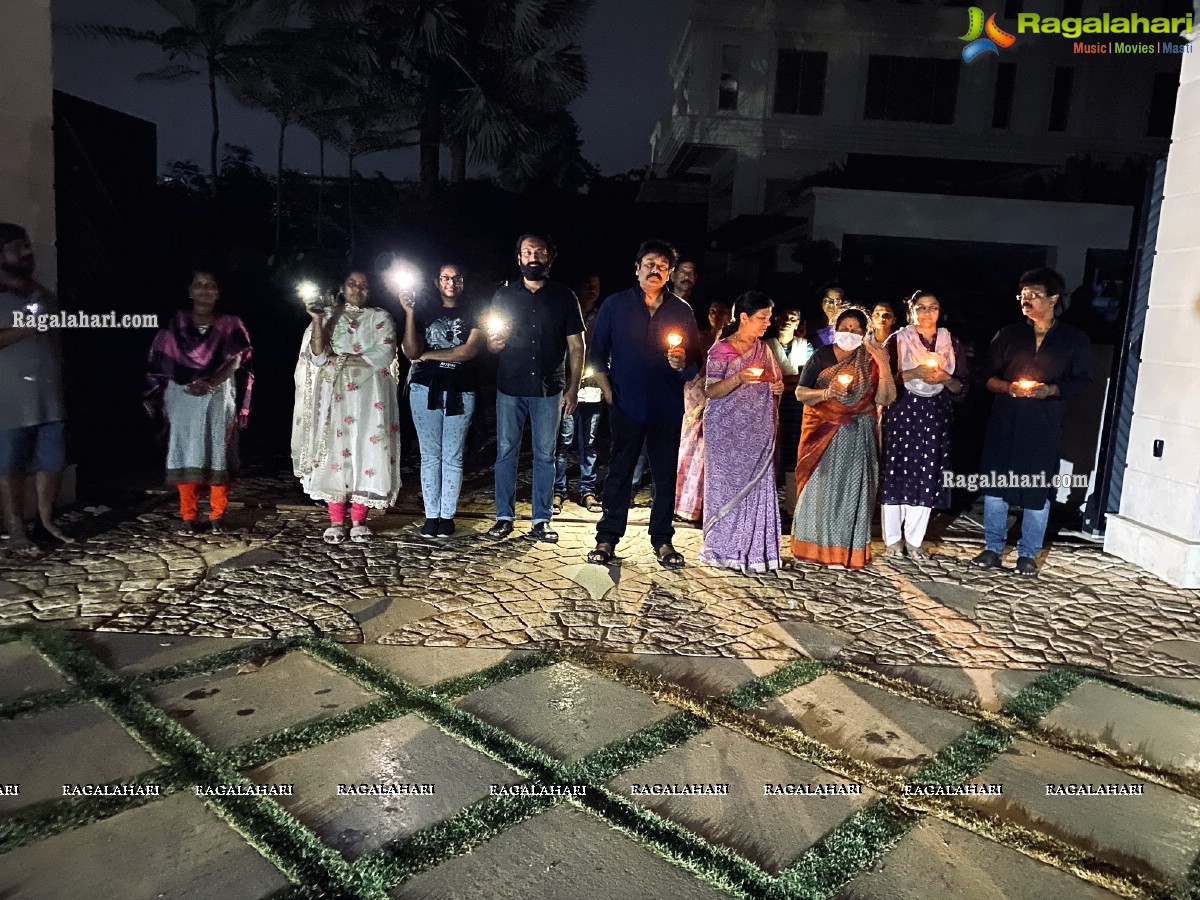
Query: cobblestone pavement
x=276 y=578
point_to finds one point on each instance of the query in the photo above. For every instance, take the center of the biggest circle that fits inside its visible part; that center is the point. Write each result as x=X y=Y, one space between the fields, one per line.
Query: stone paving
x=276 y=578
x=517 y=723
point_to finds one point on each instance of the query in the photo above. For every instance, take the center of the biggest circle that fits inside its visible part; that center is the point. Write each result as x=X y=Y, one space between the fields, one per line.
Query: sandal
x=556 y=504
x=591 y=504
x=334 y=534
x=602 y=555
x=361 y=534
x=669 y=558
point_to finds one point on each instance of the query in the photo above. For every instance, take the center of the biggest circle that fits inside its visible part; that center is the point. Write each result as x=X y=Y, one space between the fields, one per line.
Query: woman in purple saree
x=743 y=384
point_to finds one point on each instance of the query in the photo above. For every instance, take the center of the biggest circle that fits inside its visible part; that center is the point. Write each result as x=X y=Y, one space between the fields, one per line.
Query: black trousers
x=661 y=440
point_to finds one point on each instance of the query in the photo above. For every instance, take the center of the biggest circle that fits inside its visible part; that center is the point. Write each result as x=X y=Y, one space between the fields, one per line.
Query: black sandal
x=669 y=558
x=592 y=504
x=602 y=555
x=556 y=504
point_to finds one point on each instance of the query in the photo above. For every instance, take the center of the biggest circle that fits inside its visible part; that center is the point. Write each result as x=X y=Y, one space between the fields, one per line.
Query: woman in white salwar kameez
x=345 y=429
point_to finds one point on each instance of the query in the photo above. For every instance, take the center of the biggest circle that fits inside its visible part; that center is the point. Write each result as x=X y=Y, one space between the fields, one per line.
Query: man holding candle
x=536 y=328
x=1034 y=367
x=641 y=370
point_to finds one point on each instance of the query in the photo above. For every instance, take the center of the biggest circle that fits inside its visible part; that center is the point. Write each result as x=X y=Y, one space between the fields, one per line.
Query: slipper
x=556 y=504
x=591 y=504
x=669 y=558
x=361 y=534
x=602 y=555
x=334 y=534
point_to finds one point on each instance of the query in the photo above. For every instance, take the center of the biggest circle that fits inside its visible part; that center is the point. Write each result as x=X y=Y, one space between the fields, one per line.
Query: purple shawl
x=180 y=353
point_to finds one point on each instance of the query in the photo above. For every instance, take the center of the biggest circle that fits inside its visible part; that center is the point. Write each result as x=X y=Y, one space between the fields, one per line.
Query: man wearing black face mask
x=535 y=326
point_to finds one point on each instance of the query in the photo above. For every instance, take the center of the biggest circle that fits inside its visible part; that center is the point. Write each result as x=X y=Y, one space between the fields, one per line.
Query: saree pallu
x=741 y=509
x=837 y=471
x=689 y=477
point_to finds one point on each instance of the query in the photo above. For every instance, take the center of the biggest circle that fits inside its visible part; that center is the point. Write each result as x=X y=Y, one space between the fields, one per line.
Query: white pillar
x=1158 y=527
x=26 y=122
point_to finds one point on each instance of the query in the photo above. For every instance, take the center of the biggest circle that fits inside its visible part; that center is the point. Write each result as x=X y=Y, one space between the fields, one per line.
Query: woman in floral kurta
x=345 y=430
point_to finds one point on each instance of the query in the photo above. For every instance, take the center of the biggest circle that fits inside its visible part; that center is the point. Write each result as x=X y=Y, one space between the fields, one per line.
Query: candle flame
x=755 y=370
x=674 y=339
x=932 y=362
x=1026 y=384
x=845 y=378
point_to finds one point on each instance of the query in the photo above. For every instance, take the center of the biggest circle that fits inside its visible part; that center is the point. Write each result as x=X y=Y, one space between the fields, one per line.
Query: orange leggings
x=218 y=500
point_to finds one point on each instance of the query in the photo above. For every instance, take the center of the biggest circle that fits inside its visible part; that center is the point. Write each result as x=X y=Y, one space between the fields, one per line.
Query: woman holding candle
x=743 y=383
x=930 y=369
x=837 y=463
x=345 y=427
x=689 y=478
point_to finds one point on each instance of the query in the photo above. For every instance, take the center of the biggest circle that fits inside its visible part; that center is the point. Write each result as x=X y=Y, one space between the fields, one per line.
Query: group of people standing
x=859 y=416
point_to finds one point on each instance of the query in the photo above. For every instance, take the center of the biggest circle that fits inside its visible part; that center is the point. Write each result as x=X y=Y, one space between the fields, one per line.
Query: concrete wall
x=1070 y=229
x=26 y=123
x=1159 y=523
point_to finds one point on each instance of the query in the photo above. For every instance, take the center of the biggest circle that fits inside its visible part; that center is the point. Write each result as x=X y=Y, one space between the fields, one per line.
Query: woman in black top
x=441 y=340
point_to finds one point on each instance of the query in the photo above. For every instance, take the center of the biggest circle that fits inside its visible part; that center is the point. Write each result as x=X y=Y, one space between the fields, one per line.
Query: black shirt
x=533 y=361
x=444 y=328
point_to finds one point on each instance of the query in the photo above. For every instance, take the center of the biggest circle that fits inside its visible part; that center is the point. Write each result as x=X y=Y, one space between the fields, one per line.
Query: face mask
x=535 y=271
x=848 y=340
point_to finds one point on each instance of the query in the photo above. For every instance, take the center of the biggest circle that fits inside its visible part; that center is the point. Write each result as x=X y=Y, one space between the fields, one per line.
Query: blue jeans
x=543 y=414
x=995 y=526
x=583 y=424
x=442 y=440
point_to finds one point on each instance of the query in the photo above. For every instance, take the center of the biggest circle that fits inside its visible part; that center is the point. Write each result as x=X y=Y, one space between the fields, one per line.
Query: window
x=911 y=89
x=1162 y=104
x=1002 y=100
x=800 y=82
x=1060 y=98
x=727 y=93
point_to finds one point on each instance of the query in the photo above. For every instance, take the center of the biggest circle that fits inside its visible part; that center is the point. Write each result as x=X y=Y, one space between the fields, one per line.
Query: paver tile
x=558 y=854
x=1159 y=831
x=79 y=744
x=866 y=722
x=226 y=708
x=23 y=672
x=768 y=830
x=565 y=710
x=406 y=752
x=1165 y=736
x=703 y=675
x=143 y=652
x=173 y=847
x=428 y=665
x=937 y=861
x=987 y=688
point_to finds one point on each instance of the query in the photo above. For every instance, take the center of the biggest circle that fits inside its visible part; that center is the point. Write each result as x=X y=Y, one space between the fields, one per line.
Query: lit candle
x=1026 y=384
x=755 y=371
x=589 y=372
x=674 y=339
x=845 y=378
x=932 y=362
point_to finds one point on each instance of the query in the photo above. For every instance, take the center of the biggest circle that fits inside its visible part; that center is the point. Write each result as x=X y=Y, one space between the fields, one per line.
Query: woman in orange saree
x=837 y=462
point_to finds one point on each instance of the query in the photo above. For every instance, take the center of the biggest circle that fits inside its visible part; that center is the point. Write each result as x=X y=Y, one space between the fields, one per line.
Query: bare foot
x=55 y=532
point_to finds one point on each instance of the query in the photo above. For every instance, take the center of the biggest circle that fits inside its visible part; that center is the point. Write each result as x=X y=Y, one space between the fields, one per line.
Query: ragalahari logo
x=984 y=38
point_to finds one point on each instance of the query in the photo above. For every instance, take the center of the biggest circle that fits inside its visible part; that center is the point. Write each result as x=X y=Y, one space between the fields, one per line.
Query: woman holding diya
x=930 y=368
x=345 y=427
x=837 y=462
x=743 y=383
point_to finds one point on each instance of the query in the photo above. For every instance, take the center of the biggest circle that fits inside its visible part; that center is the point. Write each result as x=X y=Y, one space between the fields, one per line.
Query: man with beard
x=646 y=348
x=533 y=324
x=32 y=431
x=1035 y=366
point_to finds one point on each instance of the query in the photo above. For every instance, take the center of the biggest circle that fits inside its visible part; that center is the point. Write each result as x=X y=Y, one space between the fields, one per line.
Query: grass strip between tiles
x=1194 y=879
x=774 y=684
x=619 y=756
x=40 y=703
x=397 y=861
x=207 y=665
x=453 y=688
x=1147 y=693
x=718 y=866
x=273 y=831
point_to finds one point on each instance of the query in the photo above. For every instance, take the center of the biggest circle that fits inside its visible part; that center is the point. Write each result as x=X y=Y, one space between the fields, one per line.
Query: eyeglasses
x=926 y=308
x=1032 y=295
x=656 y=267
x=448 y=279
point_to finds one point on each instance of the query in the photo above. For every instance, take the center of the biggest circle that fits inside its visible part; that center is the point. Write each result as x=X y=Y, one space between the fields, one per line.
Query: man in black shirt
x=533 y=324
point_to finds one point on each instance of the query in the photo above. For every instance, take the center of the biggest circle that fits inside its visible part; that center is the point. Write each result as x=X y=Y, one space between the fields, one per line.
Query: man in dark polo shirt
x=535 y=326
x=641 y=373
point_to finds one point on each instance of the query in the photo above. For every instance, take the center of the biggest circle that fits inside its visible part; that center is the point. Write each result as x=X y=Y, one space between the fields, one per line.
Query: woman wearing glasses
x=345 y=430
x=441 y=339
x=930 y=368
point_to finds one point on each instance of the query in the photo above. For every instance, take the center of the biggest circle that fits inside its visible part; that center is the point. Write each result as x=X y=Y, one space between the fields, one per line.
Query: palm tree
x=207 y=32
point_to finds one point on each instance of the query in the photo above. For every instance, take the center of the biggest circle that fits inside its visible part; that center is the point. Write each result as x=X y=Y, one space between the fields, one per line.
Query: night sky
x=629 y=90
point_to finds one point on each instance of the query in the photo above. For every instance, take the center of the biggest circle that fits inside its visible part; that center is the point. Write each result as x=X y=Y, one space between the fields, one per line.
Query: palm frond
x=109 y=33
x=168 y=73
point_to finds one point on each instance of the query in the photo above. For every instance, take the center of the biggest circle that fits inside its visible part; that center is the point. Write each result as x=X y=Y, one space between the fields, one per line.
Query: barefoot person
x=200 y=381
x=345 y=430
x=32 y=430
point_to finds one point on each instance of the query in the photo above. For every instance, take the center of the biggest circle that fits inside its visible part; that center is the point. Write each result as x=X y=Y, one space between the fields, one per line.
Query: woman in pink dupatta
x=689 y=479
x=743 y=383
